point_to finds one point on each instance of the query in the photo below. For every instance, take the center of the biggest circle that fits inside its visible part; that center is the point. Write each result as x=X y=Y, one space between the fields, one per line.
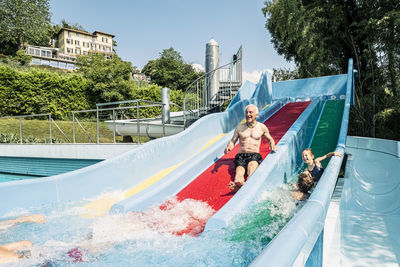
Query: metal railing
x=197 y=102
x=20 y=117
x=134 y=109
x=133 y=112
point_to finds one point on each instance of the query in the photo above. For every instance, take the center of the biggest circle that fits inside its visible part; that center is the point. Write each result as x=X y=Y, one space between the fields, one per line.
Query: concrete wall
x=70 y=151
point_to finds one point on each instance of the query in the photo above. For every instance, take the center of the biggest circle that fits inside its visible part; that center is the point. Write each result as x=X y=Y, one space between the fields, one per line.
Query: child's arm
x=330 y=154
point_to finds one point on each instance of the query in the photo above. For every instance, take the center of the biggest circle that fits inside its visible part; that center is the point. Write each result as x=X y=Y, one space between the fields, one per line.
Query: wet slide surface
x=369 y=232
x=327 y=133
x=212 y=185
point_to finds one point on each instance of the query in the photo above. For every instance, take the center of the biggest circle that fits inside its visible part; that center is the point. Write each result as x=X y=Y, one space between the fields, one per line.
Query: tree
x=75 y=26
x=109 y=79
x=320 y=36
x=23 y=21
x=169 y=70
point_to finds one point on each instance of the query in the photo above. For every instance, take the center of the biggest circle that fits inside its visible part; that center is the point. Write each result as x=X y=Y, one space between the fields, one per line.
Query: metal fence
x=109 y=113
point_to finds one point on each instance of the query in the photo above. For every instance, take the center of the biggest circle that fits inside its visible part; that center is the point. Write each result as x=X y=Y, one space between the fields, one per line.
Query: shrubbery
x=34 y=91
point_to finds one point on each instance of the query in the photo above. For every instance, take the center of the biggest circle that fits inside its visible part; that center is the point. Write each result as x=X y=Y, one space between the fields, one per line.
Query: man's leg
x=7 y=251
x=251 y=167
x=239 y=178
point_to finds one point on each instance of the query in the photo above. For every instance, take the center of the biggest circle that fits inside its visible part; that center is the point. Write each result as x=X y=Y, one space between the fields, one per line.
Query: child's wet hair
x=305 y=182
x=309 y=150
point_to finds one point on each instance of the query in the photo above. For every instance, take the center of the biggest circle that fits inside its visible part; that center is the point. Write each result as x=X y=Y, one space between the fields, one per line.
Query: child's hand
x=336 y=154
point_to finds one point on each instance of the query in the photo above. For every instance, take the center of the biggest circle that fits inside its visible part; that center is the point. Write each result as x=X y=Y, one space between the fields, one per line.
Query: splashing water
x=151 y=238
x=259 y=225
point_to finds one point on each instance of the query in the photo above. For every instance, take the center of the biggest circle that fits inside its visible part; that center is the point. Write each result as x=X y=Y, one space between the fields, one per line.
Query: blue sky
x=143 y=29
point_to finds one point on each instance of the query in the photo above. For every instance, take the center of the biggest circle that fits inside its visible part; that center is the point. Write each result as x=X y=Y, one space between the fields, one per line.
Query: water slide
x=150 y=174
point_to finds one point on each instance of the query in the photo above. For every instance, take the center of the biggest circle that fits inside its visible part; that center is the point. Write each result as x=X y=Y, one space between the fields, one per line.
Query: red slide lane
x=212 y=185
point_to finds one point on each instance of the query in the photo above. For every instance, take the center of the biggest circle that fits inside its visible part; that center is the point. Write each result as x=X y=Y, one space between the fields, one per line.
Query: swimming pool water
x=145 y=239
x=5 y=177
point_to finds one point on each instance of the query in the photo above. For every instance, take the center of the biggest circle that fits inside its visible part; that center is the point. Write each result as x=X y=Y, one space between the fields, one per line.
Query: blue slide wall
x=301 y=238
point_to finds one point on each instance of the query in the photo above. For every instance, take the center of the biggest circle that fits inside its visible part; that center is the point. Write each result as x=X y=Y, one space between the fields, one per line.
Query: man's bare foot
x=234 y=186
x=34 y=218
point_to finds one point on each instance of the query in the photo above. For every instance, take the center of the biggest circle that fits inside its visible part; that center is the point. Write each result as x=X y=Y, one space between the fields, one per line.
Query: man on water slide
x=248 y=157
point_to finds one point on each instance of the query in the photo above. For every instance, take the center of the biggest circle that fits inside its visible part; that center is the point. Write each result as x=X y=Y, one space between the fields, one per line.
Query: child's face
x=307 y=157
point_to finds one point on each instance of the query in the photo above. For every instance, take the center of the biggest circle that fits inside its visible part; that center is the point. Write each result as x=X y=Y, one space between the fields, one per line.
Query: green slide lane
x=327 y=133
x=259 y=225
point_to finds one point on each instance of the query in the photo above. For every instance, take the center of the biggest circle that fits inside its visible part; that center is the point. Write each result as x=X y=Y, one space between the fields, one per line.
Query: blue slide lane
x=365 y=229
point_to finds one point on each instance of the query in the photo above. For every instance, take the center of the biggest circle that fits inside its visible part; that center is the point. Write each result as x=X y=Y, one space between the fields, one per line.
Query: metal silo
x=212 y=78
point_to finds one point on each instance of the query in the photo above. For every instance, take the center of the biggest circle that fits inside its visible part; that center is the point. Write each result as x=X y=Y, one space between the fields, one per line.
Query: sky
x=143 y=29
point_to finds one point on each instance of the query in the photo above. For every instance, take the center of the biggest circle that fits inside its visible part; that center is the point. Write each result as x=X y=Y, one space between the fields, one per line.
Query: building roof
x=104 y=33
x=83 y=32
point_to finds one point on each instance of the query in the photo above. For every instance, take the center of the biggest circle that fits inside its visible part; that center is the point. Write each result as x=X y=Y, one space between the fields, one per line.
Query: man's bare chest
x=251 y=133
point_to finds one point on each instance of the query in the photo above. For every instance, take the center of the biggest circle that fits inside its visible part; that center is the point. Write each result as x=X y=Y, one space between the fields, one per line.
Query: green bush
x=35 y=91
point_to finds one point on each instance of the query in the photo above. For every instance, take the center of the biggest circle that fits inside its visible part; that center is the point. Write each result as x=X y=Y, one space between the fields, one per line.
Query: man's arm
x=34 y=218
x=232 y=143
x=271 y=141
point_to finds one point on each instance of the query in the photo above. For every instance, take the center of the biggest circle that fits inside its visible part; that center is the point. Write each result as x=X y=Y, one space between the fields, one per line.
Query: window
x=63 y=65
x=70 y=41
x=85 y=52
x=108 y=49
x=93 y=39
x=69 y=34
x=43 y=53
x=45 y=62
x=93 y=47
x=85 y=44
x=36 y=61
x=54 y=64
x=76 y=42
x=37 y=52
x=48 y=54
x=77 y=51
x=70 y=50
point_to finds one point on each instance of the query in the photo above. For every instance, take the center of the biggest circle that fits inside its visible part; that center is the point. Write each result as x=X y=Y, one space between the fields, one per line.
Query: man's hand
x=273 y=148
x=228 y=148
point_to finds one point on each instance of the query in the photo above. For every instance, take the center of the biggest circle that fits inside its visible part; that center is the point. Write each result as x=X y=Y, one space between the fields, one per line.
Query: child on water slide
x=314 y=166
x=304 y=183
x=311 y=175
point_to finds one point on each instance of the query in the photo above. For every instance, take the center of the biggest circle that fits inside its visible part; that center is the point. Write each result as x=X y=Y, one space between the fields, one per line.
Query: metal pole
x=114 y=123
x=163 y=117
x=73 y=127
x=97 y=124
x=20 y=130
x=184 y=111
x=373 y=112
x=138 y=124
x=51 y=137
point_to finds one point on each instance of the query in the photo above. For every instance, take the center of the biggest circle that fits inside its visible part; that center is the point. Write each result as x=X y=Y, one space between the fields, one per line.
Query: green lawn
x=40 y=129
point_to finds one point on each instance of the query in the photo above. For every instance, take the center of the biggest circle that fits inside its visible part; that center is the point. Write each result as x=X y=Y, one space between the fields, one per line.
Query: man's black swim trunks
x=242 y=159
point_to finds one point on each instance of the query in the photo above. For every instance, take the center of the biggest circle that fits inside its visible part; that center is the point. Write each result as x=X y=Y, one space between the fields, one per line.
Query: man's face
x=251 y=114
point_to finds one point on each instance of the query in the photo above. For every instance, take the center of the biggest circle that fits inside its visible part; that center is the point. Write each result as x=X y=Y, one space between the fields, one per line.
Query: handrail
x=211 y=71
x=196 y=99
